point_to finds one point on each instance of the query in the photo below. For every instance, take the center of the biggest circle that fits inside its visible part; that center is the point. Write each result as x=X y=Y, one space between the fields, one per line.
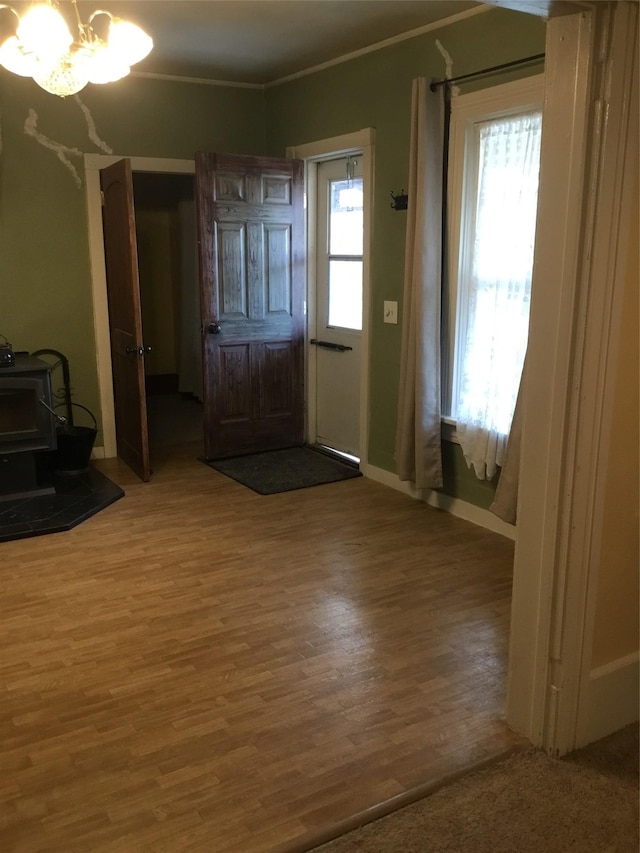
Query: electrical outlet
x=391 y=312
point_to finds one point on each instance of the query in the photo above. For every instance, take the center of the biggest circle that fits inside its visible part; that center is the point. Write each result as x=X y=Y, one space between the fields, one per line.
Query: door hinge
x=102 y=198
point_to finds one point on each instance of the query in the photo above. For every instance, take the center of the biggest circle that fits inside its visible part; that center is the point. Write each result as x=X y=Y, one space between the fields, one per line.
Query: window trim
x=466 y=110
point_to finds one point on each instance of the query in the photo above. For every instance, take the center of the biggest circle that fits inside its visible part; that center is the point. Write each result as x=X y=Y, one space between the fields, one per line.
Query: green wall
x=374 y=90
x=45 y=285
x=45 y=282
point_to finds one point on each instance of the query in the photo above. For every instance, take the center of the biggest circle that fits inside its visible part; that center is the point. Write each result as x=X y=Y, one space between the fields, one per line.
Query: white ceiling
x=258 y=41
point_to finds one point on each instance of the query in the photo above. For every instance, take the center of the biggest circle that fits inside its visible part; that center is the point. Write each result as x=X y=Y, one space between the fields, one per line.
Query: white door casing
x=337 y=371
x=589 y=63
x=360 y=142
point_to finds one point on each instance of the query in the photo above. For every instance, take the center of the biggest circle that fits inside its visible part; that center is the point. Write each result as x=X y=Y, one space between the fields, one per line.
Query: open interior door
x=125 y=318
x=251 y=255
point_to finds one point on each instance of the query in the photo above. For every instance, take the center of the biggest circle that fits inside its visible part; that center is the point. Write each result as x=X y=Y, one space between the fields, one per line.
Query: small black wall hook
x=400 y=201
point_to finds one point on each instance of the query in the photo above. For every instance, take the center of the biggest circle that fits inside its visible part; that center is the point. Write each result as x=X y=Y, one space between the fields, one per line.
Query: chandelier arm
x=11 y=9
x=84 y=30
x=99 y=12
x=88 y=29
x=78 y=18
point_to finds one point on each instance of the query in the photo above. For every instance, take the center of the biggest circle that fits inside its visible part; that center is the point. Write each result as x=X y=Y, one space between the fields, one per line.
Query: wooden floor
x=200 y=668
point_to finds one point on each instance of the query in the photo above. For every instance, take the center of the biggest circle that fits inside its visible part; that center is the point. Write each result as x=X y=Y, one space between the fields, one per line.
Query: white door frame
x=360 y=143
x=93 y=163
x=576 y=282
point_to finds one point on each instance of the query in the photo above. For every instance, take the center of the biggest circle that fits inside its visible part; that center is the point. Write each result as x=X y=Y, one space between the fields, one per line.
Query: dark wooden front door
x=125 y=319
x=251 y=248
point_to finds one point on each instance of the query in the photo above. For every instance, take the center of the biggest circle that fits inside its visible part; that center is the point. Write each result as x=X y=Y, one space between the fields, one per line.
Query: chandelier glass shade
x=43 y=47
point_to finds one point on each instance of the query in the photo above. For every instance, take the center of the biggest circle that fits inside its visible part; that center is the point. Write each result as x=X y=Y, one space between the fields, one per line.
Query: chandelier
x=42 y=46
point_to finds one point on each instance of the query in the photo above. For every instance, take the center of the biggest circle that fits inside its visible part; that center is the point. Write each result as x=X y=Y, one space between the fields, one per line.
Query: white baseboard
x=461 y=509
x=98 y=453
x=610 y=700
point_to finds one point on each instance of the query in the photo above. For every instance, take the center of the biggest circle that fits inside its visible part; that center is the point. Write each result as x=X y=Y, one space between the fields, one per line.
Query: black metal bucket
x=75 y=444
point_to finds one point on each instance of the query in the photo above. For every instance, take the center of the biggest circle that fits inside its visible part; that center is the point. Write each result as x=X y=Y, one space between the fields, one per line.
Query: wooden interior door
x=125 y=318
x=251 y=255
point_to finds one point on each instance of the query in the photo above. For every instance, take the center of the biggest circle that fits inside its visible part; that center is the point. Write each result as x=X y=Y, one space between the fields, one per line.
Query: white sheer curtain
x=505 y=502
x=499 y=287
x=418 y=450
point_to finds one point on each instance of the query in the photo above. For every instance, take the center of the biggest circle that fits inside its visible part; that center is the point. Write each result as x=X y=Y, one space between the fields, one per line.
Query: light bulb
x=15 y=60
x=128 y=41
x=105 y=66
x=43 y=31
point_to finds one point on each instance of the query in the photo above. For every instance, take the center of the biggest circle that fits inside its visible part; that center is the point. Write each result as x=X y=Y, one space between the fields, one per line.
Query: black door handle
x=214 y=328
x=330 y=345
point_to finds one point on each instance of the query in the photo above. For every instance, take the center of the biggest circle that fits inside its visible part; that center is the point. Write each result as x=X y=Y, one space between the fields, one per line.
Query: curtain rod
x=451 y=80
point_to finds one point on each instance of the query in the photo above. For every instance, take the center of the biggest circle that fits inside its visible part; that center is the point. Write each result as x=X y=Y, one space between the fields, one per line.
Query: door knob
x=137 y=350
x=214 y=328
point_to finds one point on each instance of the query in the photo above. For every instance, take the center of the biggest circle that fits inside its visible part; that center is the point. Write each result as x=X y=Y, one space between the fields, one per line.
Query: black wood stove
x=27 y=426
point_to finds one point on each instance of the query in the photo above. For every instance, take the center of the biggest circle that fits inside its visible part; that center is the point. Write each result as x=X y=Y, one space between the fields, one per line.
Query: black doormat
x=77 y=497
x=284 y=470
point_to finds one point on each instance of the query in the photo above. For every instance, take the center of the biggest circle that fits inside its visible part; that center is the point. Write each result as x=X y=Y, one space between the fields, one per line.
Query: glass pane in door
x=346 y=217
x=345 y=293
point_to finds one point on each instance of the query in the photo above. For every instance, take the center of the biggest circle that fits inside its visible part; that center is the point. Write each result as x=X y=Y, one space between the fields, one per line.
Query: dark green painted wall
x=374 y=90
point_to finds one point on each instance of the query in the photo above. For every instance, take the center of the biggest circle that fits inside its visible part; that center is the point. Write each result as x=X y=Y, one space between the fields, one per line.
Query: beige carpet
x=529 y=803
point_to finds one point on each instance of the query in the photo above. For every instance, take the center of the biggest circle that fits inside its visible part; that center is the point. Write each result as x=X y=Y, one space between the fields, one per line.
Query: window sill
x=448 y=430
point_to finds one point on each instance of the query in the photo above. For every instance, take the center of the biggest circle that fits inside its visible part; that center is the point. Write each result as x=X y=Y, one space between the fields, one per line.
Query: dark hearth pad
x=77 y=497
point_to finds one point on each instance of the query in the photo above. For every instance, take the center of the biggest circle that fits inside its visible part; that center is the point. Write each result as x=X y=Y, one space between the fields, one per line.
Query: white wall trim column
x=608 y=243
x=563 y=152
x=588 y=65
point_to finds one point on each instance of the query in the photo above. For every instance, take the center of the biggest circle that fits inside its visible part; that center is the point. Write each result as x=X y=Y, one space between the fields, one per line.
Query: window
x=494 y=163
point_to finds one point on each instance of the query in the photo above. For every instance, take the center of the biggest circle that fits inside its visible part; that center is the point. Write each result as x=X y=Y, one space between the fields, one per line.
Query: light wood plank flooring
x=200 y=668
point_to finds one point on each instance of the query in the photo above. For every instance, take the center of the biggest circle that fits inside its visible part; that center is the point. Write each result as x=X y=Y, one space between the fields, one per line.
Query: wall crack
x=62 y=152
x=91 y=128
x=448 y=65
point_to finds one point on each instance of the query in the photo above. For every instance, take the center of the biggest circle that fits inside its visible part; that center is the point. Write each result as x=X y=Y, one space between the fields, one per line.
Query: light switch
x=391 y=312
